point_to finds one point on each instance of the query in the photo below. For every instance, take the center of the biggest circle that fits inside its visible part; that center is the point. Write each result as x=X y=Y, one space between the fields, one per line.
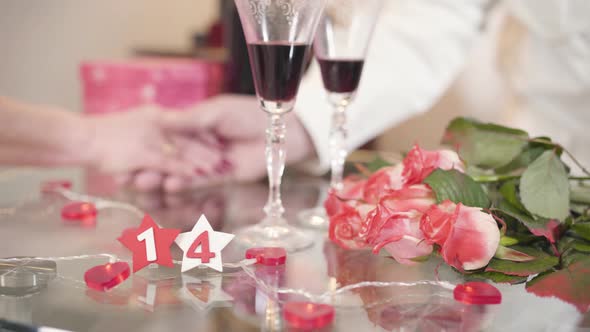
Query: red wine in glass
x=277 y=69
x=341 y=76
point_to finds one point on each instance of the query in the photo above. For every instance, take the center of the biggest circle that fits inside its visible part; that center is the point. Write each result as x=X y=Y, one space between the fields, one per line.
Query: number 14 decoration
x=151 y=244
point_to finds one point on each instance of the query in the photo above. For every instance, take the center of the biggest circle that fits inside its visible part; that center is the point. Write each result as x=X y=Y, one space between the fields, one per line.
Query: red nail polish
x=226 y=164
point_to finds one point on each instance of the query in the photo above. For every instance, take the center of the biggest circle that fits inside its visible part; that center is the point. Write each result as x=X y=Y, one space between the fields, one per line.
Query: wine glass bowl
x=279 y=34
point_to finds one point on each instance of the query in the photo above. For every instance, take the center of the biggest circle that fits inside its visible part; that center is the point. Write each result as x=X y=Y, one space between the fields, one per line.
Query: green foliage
x=507 y=241
x=376 y=164
x=510 y=194
x=580 y=195
x=485 y=145
x=529 y=154
x=582 y=229
x=511 y=254
x=496 y=277
x=457 y=187
x=522 y=217
x=544 y=187
x=541 y=263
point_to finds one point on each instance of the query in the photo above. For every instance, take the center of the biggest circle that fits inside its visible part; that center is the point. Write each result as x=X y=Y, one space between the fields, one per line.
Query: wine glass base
x=314 y=218
x=274 y=235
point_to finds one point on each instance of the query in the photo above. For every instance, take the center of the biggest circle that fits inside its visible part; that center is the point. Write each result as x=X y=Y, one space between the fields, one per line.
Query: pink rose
x=438 y=221
x=385 y=179
x=399 y=235
x=335 y=205
x=395 y=223
x=353 y=187
x=349 y=196
x=418 y=164
x=418 y=197
x=345 y=226
x=468 y=236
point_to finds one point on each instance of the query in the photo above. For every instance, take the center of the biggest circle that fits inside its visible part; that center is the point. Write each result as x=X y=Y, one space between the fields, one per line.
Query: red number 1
x=205 y=255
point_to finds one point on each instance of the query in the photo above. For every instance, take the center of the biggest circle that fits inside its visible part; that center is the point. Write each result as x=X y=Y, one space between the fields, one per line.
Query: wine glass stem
x=275 y=165
x=338 y=152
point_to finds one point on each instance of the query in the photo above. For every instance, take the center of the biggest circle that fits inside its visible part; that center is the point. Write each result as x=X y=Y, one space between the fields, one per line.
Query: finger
x=243 y=162
x=247 y=161
x=123 y=179
x=210 y=139
x=175 y=184
x=148 y=180
x=191 y=121
x=169 y=164
x=202 y=157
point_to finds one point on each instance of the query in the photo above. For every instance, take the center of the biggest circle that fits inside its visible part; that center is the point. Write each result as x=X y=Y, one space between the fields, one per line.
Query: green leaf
x=582 y=229
x=484 y=144
x=377 y=163
x=496 y=277
x=571 y=284
x=541 y=263
x=510 y=194
x=530 y=153
x=572 y=256
x=531 y=223
x=571 y=243
x=581 y=247
x=507 y=241
x=580 y=195
x=513 y=255
x=544 y=187
x=457 y=187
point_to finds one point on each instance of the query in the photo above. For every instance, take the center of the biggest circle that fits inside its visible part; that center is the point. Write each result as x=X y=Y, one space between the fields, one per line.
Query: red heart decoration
x=308 y=315
x=79 y=211
x=477 y=292
x=269 y=256
x=105 y=277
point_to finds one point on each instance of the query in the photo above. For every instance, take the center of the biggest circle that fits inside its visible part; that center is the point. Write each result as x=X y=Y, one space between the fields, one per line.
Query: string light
x=252 y=259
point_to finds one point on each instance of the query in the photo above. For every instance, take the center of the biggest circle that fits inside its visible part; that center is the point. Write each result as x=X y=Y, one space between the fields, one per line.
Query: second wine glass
x=340 y=47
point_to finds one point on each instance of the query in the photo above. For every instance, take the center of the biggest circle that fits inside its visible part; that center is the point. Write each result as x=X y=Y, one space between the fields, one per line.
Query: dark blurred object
x=237 y=70
x=215 y=35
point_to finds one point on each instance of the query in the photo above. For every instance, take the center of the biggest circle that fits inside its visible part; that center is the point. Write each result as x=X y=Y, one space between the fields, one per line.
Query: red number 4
x=203 y=241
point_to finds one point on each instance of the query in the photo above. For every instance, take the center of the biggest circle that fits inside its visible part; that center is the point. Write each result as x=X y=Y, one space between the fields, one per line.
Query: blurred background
x=44 y=42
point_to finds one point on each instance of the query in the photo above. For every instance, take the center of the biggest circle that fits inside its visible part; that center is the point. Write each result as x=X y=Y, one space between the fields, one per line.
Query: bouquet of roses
x=497 y=205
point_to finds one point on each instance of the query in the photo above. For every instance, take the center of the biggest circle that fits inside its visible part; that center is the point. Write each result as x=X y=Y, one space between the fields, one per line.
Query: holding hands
x=223 y=140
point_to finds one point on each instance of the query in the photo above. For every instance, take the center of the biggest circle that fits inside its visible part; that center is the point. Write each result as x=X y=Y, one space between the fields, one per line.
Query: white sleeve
x=417 y=50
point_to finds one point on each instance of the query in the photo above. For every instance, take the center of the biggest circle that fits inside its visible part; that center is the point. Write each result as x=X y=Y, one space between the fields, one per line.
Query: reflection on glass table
x=163 y=299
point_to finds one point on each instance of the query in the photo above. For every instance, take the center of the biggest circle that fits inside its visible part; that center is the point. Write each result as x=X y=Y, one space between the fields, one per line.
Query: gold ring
x=169 y=149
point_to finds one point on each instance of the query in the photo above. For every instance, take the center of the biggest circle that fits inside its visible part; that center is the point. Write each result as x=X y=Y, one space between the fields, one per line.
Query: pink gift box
x=110 y=86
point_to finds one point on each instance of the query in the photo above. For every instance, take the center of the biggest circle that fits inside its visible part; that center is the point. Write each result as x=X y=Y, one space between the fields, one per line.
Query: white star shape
x=217 y=241
x=204 y=294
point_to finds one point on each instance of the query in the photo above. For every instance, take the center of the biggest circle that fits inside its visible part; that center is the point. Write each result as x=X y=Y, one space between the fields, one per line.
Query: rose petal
x=385 y=179
x=437 y=222
x=473 y=240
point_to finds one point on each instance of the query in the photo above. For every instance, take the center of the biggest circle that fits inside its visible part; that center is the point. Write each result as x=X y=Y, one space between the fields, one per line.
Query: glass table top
x=241 y=299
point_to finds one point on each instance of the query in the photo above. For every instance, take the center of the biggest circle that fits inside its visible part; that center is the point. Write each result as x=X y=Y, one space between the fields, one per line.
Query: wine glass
x=340 y=47
x=279 y=34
